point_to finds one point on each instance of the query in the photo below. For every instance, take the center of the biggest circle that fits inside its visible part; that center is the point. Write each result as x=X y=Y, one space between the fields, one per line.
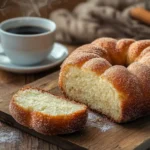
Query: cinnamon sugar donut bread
x=96 y=75
x=46 y=113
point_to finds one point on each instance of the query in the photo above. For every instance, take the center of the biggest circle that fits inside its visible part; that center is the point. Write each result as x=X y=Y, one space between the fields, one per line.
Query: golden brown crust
x=47 y=124
x=79 y=58
x=129 y=90
x=116 y=49
x=143 y=74
x=97 y=65
x=145 y=61
x=91 y=48
x=107 y=43
x=122 y=50
x=23 y=116
x=144 y=53
x=135 y=50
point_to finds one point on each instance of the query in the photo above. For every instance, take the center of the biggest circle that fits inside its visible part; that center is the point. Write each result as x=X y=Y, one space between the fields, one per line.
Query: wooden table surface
x=13 y=139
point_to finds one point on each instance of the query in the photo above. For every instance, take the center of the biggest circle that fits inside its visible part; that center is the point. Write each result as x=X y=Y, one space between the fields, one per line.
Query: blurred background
x=82 y=21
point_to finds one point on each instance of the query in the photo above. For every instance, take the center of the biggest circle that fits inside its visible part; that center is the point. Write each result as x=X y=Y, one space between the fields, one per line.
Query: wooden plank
x=51 y=139
x=99 y=133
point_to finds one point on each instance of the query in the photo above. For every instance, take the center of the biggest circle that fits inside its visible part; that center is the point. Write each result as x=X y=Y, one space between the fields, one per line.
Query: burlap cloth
x=99 y=18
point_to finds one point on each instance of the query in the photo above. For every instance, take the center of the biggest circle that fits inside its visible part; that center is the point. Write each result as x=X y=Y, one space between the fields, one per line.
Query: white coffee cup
x=27 y=49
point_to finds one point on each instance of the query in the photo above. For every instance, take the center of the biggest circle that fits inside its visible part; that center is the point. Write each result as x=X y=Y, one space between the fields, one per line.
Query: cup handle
x=1 y=49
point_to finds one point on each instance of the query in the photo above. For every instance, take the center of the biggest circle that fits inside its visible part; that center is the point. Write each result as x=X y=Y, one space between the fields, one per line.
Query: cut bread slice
x=46 y=113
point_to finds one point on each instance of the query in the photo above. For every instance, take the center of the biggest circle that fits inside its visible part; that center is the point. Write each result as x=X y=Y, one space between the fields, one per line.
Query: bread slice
x=46 y=113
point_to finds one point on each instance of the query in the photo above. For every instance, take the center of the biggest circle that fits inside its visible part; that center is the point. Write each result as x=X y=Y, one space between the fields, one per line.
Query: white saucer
x=57 y=55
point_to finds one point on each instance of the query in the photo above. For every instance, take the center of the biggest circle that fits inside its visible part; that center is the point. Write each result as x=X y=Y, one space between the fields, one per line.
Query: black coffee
x=27 y=30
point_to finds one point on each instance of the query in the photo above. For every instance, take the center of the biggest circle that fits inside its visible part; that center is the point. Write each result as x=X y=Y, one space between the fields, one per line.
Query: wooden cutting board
x=99 y=133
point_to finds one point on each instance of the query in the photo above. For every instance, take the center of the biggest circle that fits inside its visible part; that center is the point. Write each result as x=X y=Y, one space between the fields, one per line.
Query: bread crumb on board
x=7 y=135
x=101 y=123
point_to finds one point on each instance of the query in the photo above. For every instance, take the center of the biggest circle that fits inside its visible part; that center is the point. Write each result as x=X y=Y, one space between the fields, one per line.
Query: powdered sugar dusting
x=106 y=127
x=7 y=135
x=95 y=120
